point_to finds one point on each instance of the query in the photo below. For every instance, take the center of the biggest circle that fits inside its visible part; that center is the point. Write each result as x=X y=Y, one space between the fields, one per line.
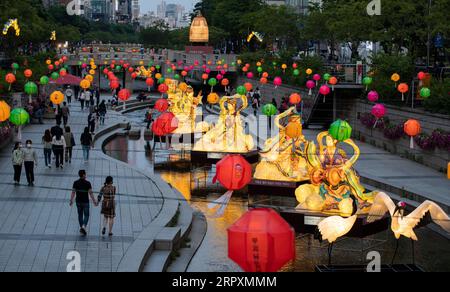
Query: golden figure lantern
x=199 y=32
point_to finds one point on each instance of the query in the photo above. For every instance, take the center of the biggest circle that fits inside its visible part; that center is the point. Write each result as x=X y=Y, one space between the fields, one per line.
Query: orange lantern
x=309 y=71
x=85 y=84
x=412 y=128
x=333 y=81
x=158 y=76
x=48 y=62
x=57 y=97
x=92 y=72
x=205 y=77
x=213 y=98
x=225 y=82
x=10 y=79
x=395 y=78
x=183 y=87
x=295 y=98
x=124 y=94
x=263 y=80
x=28 y=73
x=265 y=75
x=5 y=111
x=403 y=88
x=248 y=86
x=89 y=78
x=294 y=128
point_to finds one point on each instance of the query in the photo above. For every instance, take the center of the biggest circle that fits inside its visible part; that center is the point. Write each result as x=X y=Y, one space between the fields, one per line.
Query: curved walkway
x=37 y=226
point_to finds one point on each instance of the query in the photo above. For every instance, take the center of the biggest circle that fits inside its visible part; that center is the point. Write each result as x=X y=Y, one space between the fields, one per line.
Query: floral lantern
x=261 y=241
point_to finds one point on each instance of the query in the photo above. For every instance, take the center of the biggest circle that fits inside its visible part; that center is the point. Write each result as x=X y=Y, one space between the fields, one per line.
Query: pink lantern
x=196 y=63
x=277 y=81
x=250 y=75
x=379 y=111
x=324 y=90
x=373 y=96
x=317 y=78
x=208 y=71
x=223 y=72
x=191 y=68
x=84 y=66
x=310 y=85
x=219 y=77
x=204 y=67
x=186 y=69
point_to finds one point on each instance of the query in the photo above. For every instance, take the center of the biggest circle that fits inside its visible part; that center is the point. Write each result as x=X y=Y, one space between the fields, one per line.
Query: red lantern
x=421 y=76
x=225 y=82
x=28 y=73
x=57 y=63
x=124 y=94
x=150 y=82
x=295 y=98
x=51 y=67
x=161 y=105
x=248 y=86
x=10 y=79
x=63 y=73
x=163 y=88
x=412 y=128
x=133 y=75
x=105 y=71
x=165 y=124
x=263 y=80
x=184 y=73
x=131 y=69
x=234 y=173
x=403 y=88
x=261 y=241
x=114 y=84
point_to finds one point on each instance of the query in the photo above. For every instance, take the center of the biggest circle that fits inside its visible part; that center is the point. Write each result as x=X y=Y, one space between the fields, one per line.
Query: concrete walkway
x=37 y=226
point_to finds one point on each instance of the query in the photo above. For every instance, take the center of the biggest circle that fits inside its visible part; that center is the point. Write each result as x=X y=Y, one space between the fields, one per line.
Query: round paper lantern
x=245 y=69
x=403 y=88
x=233 y=172
x=379 y=111
x=333 y=81
x=54 y=76
x=131 y=69
x=184 y=73
x=161 y=105
x=309 y=71
x=263 y=80
x=57 y=97
x=10 y=78
x=258 y=64
x=296 y=72
x=208 y=71
x=295 y=98
x=124 y=94
x=265 y=75
x=367 y=81
x=165 y=124
x=395 y=77
x=248 y=86
x=412 y=128
x=161 y=80
x=15 y=66
x=316 y=77
x=114 y=84
x=261 y=241
x=260 y=70
x=295 y=66
x=5 y=111
x=85 y=84
x=284 y=66
x=241 y=90
x=340 y=131
x=205 y=77
x=183 y=87
x=213 y=98
x=176 y=77
x=48 y=62
x=163 y=88
x=57 y=63
x=92 y=72
x=219 y=77
x=373 y=96
x=326 y=77
x=44 y=80
x=63 y=73
x=90 y=78
x=310 y=85
x=294 y=129
x=425 y=92
x=28 y=73
x=250 y=75
x=212 y=82
x=269 y=110
x=30 y=88
x=150 y=82
x=421 y=76
x=19 y=117
x=134 y=75
x=277 y=81
x=225 y=82
x=324 y=90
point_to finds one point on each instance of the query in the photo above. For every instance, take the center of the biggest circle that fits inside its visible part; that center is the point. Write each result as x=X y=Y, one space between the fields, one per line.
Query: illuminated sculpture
x=334 y=183
x=257 y=35
x=283 y=158
x=53 y=36
x=199 y=32
x=14 y=24
x=228 y=134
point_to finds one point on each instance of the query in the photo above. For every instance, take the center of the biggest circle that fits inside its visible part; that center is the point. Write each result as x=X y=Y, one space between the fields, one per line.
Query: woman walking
x=58 y=145
x=30 y=162
x=108 y=192
x=17 y=161
x=47 y=142
x=102 y=112
x=58 y=115
x=70 y=143
x=86 y=143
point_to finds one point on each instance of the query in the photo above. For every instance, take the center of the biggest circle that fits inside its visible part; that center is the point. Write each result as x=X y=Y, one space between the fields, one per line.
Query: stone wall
x=437 y=159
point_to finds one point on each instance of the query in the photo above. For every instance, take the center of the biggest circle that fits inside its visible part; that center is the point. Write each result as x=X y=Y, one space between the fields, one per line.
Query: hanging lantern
x=161 y=105
x=165 y=124
x=340 y=131
x=15 y=67
x=225 y=82
x=425 y=92
x=326 y=77
x=295 y=98
x=317 y=78
x=269 y=110
x=163 y=88
x=55 y=76
x=205 y=77
x=421 y=76
x=30 y=89
x=10 y=79
x=378 y=111
x=241 y=90
x=85 y=84
x=5 y=111
x=213 y=98
x=183 y=87
x=248 y=86
x=309 y=71
x=296 y=72
x=277 y=82
x=114 y=84
x=44 y=80
x=261 y=241
x=250 y=75
x=265 y=75
x=263 y=81
x=367 y=81
x=28 y=73
x=19 y=117
x=234 y=173
x=395 y=78
x=63 y=73
x=212 y=82
x=403 y=88
x=90 y=78
x=333 y=81
x=57 y=97
x=373 y=96
x=150 y=82
x=310 y=85
x=124 y=94
x=412 y=128
x=324 y=90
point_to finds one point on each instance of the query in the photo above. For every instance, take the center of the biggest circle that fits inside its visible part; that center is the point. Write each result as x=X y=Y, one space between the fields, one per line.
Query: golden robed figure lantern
x=199 y=32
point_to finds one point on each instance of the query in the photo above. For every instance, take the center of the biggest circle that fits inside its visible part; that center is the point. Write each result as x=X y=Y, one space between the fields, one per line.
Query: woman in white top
x=58 y=146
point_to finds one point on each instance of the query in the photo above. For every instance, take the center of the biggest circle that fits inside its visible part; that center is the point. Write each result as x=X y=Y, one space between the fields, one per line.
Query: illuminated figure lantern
x=234 y=173
x=161 y=105
x=412 y=128
x=261 y=241
x=165 y=124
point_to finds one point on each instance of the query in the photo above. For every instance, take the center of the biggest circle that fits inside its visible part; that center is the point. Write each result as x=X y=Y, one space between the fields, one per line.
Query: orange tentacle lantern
x=412 y=128
x=261 y=241
x=234 y=173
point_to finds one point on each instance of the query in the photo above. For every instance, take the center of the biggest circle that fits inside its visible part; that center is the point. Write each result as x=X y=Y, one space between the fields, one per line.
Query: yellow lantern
x=395 y=77
x=284 y=66
x=158 y=76
x=92 y=72
x=5 y=111
x=258 y=64
x=141 y=63
x=105 y=63
x=85 y=84
x=89 y=78
x=48 y=62
x=309 y=71
x=57 y=97
x=183 y=87
x=94 y=67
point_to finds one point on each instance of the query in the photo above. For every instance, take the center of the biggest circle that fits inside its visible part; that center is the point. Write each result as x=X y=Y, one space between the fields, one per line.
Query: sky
x=150 y=5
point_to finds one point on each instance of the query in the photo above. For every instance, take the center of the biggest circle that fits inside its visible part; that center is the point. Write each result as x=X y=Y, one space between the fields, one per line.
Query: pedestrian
x=97 y=96
x=17 y=161
x=56 y=130
x=58 y=115
x=92 y=98
x=47 y=142
x=86 y=143
x=149 y=117
x=108 y=193
x=58 y=145
x=102 y=110
x=82 y=99
x=92 y=118
x=30 y=161
x=69 y=94
x=65 y=112
x=81 y=191
x=70 y=143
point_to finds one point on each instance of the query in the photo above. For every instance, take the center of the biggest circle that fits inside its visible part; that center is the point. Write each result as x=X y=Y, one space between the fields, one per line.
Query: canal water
x=194 y=182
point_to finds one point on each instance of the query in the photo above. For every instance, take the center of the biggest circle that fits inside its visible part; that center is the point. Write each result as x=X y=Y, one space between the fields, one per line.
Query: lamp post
x=429 y=36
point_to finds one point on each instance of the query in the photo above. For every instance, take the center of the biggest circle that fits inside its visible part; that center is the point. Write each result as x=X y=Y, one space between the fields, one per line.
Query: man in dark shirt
x=56 y=130
x=82 y=190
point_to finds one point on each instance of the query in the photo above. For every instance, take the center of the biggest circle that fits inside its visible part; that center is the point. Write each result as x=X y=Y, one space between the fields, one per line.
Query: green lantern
x=161 y=80
x=150 y=63
x=44 y=80
x=326 y=77
x=55 y=76
x=274 y=64
x=241 y=90
x=212 y=82
x=169 y=70
x=118 y=68
x=260 y=69
x=233 y=64
x=269 y=110
x=340 y=130
x=425 y=92
x=158 y=67
x=31 y=88
x=19 y=117
x=176 y=77
x=296 y=72
x=15 y=67
x=367 y=81
x=80 y=63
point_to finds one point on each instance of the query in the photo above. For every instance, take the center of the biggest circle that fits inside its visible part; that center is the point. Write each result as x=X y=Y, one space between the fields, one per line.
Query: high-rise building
x=102 y=10
x=301 y=6
x=136 y=10
x=124 y=11
x=161 y=10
